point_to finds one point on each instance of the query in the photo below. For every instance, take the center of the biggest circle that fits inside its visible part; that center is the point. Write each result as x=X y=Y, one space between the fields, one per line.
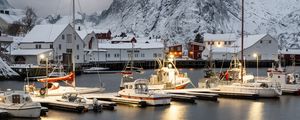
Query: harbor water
x=284 y=108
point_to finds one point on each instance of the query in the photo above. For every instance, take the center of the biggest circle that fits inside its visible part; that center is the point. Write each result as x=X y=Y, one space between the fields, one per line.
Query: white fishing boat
x=167 y=76
x=19 y=104
x=139 y=90
x=236 y=81
x=290 y=82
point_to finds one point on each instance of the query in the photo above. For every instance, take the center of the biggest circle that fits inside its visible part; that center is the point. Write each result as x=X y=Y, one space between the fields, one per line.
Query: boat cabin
x=140 y=86
x=15 y=97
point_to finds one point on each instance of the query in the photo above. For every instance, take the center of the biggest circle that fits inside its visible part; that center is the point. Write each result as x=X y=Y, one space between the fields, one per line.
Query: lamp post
x=42 y=56
x=256 y=56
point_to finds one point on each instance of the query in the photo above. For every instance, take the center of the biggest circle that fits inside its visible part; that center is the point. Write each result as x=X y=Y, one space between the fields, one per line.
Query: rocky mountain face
x=180 y=20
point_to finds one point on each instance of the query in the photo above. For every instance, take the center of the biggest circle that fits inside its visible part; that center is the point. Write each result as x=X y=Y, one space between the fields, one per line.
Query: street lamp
x=42 y=56
x=256 y=56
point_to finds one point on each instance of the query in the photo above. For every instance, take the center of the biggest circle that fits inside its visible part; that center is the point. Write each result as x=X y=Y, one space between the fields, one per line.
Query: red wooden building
x=176 y=50
x=195 y=50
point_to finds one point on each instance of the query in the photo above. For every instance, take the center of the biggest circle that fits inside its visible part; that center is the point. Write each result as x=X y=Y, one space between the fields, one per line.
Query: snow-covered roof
x=129 y=45
x=219 y=37
x=30 y=51
x=290 y=51
x=10 y=18
x=249 y=40
x=44 y=33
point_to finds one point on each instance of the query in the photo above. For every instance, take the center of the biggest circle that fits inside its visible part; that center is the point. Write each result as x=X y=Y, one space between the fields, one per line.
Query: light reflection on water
x=256 y=111
x=176 y=111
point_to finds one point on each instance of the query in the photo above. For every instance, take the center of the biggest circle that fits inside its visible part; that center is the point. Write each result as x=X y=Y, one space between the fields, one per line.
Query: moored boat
x=139 y=90
x=19 y=104
x=167 y=76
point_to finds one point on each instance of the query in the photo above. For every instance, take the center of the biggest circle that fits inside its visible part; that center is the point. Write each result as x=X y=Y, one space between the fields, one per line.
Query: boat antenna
x=73 y=44
x=242 y=41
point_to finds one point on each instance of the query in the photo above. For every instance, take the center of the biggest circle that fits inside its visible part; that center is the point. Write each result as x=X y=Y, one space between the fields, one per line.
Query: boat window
x=16 y=99
x=27 y=99
x=130 y=86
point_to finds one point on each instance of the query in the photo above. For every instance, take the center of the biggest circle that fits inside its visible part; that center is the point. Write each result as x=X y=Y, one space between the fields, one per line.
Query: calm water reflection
x=285 y=108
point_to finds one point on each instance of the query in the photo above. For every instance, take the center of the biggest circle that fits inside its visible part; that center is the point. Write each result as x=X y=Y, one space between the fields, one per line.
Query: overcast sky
x=46 y=7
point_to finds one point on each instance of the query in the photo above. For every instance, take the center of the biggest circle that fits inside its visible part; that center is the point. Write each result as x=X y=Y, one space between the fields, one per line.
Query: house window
x=117 y=55
x=59 y=46
x=229 y=43
x=77 y=57
x=63 y=37
x=261 y=41
x=69 y=38
x=212 y=43
x=179 y=48
x=77 y=47
x=270 y=41
x=154 y=55
x=142 y=55
x=107 y=55
x=38 y=46
x=225 y=43
x=51 y=46
x=136 y=55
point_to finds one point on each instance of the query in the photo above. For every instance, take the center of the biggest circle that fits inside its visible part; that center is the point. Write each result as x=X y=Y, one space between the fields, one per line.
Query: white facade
x=56 y=37
x=265 y=46
x=144 y=49
x=30 y=56
x=219 y=40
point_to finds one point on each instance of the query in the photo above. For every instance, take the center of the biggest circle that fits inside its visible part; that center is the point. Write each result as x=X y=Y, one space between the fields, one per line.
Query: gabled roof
x=249 y=40
x=218 y=37
x=45 y=33
x=236 y=47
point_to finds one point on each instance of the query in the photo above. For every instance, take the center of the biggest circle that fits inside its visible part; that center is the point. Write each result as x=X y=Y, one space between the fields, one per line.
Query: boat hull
x=28 y=112
x=261 y=92
x=153 y=101
x=65 y=89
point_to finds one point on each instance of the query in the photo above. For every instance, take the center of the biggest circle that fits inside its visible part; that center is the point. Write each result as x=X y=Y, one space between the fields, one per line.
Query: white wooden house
x=219 y=40
x=143 y=49
x=55 y=37
x=264 y=45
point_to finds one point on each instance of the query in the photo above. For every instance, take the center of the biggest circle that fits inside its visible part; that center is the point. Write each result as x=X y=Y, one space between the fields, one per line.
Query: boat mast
x=131 y=58
x=73 y=43
x=242 y=41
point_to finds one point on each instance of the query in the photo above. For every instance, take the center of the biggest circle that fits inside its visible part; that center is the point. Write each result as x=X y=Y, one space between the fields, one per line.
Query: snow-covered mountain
x=180 y=20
